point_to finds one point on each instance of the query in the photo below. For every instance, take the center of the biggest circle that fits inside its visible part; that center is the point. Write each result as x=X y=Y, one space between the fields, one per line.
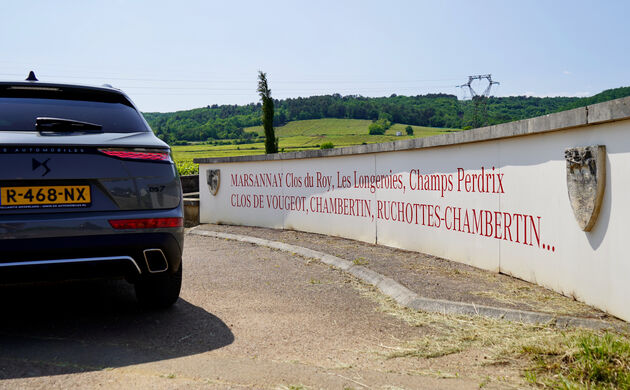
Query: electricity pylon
x=480 y=101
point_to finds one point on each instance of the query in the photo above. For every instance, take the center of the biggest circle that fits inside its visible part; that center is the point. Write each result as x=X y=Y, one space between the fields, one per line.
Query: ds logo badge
x=37 y=164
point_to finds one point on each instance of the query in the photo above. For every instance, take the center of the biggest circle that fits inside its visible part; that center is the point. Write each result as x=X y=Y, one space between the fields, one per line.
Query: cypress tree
x=271 y=142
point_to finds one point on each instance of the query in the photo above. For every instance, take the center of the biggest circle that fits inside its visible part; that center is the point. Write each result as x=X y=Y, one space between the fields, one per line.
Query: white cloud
x=566 y=72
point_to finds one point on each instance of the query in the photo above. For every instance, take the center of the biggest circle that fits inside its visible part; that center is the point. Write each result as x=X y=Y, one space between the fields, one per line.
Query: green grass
x=336 y=127
x=301 y=135
x=324 y=126
x=586 y=360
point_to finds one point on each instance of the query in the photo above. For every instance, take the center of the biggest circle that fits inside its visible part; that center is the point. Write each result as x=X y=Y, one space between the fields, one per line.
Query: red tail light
x=146 y=223
x=138 y=154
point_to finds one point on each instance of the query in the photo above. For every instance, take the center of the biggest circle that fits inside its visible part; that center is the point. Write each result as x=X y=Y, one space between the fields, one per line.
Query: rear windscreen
x=115 y=116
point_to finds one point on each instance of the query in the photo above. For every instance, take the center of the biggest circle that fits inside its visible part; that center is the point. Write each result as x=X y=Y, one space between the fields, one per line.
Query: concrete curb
x=405 y=297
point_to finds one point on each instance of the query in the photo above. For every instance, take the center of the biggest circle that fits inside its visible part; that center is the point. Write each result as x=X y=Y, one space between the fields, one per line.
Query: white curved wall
x=527 y=227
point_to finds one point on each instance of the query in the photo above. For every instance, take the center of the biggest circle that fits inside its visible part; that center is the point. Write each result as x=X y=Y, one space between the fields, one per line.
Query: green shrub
x=376 y=129
x=379 y=126
x=187 y=168
x=327 y=145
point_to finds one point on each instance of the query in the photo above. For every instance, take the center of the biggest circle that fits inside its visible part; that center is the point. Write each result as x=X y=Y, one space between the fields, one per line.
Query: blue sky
x=174 y=55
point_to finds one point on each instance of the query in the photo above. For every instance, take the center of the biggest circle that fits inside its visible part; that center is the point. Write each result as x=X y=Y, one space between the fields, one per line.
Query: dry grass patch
x=548 y=356
x=517 y=291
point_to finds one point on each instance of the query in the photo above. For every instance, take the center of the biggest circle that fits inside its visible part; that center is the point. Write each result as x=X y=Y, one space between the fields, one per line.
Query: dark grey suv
x=86 y=191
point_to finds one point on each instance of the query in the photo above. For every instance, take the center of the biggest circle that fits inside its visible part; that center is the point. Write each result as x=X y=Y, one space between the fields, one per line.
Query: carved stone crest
x=214 y=180
x=586 y=180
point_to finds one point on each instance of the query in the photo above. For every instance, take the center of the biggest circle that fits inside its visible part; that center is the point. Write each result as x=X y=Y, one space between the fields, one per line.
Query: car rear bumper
x=80 y=257
x=85 y=245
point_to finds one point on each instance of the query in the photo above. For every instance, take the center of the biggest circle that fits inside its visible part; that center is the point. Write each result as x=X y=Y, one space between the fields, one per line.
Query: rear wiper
x=64 y=125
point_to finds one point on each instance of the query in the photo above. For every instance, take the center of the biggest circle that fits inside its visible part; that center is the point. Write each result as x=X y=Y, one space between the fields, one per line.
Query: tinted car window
x=114 y=117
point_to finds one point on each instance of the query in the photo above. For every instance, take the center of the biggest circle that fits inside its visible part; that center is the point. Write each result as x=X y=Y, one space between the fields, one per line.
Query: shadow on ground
x=91 y=325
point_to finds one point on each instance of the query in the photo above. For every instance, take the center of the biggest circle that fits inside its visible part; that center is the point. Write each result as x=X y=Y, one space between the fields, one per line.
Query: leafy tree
x=381 y=125
x=271 y=142
x=409 y=130
x=386 y=116
x=376 y=129
x=218 y=122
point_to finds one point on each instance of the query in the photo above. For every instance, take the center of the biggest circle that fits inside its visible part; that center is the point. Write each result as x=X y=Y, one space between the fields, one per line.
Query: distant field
x=329 y=126
x=304 y=135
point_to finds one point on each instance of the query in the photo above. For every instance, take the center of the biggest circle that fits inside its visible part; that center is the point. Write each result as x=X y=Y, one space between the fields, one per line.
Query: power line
x=324 y=86
x=215 y=87
x=281 y=89
x=202 y=81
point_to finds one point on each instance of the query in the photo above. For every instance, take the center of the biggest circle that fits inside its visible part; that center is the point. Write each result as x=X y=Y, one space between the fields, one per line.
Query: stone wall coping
x=610 y=111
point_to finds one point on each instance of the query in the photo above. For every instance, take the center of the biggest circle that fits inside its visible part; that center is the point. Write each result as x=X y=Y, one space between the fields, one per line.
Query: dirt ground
x=248 y=317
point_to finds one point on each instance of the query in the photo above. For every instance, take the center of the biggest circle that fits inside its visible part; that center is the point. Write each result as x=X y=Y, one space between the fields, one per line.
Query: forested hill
x=435 y=110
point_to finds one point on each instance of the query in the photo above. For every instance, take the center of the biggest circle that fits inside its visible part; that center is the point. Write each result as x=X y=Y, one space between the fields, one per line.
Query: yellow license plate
x=45 y=196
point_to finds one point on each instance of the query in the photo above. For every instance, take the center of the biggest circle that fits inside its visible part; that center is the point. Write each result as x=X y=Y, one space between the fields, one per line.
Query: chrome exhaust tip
x=156 y=260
